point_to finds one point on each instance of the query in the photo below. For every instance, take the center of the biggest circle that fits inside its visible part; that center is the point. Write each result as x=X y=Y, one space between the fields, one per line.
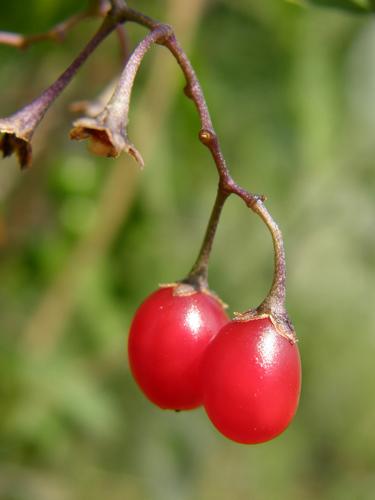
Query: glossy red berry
x=252 y=381
x=168 y=337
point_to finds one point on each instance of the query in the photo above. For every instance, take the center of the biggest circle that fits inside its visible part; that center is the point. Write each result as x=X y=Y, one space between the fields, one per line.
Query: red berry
x=168 y=337
x=252 y=381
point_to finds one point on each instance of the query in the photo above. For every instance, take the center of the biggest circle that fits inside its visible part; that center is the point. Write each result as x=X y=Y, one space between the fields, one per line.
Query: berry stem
x=275 y=300
x=273 y=306
x=198 y=276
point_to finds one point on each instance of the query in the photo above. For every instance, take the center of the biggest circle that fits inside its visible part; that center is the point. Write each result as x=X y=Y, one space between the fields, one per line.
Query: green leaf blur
x=352 y=6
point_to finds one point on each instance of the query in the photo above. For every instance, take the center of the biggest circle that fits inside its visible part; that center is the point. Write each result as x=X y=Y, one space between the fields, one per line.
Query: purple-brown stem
x=198 y=276
x=275 y=300
x=124 y=43
x=40 y=105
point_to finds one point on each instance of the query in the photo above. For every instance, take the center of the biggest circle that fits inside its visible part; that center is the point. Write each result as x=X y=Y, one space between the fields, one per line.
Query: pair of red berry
x=184 y=352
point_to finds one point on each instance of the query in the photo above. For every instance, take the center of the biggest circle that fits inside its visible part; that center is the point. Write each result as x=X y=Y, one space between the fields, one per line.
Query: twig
x=57 y=33
x=124 y=44
x=19 y=128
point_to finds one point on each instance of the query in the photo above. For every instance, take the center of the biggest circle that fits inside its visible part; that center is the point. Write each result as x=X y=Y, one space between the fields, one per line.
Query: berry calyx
x=168 y=336
x=252 y=380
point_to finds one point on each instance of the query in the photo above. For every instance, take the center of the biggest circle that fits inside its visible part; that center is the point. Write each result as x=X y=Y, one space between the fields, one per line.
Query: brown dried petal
x=104 y=141
x=10 y=143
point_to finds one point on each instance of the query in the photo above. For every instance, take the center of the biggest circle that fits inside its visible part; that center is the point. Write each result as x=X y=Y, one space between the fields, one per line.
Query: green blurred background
x=83 y=240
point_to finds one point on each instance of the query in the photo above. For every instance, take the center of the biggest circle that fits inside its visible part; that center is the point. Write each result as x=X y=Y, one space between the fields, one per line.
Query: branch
x=58 y=32
x=18 y=129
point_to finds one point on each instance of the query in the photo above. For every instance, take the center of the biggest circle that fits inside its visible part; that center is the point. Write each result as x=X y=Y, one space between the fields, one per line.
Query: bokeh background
x=83 y=240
